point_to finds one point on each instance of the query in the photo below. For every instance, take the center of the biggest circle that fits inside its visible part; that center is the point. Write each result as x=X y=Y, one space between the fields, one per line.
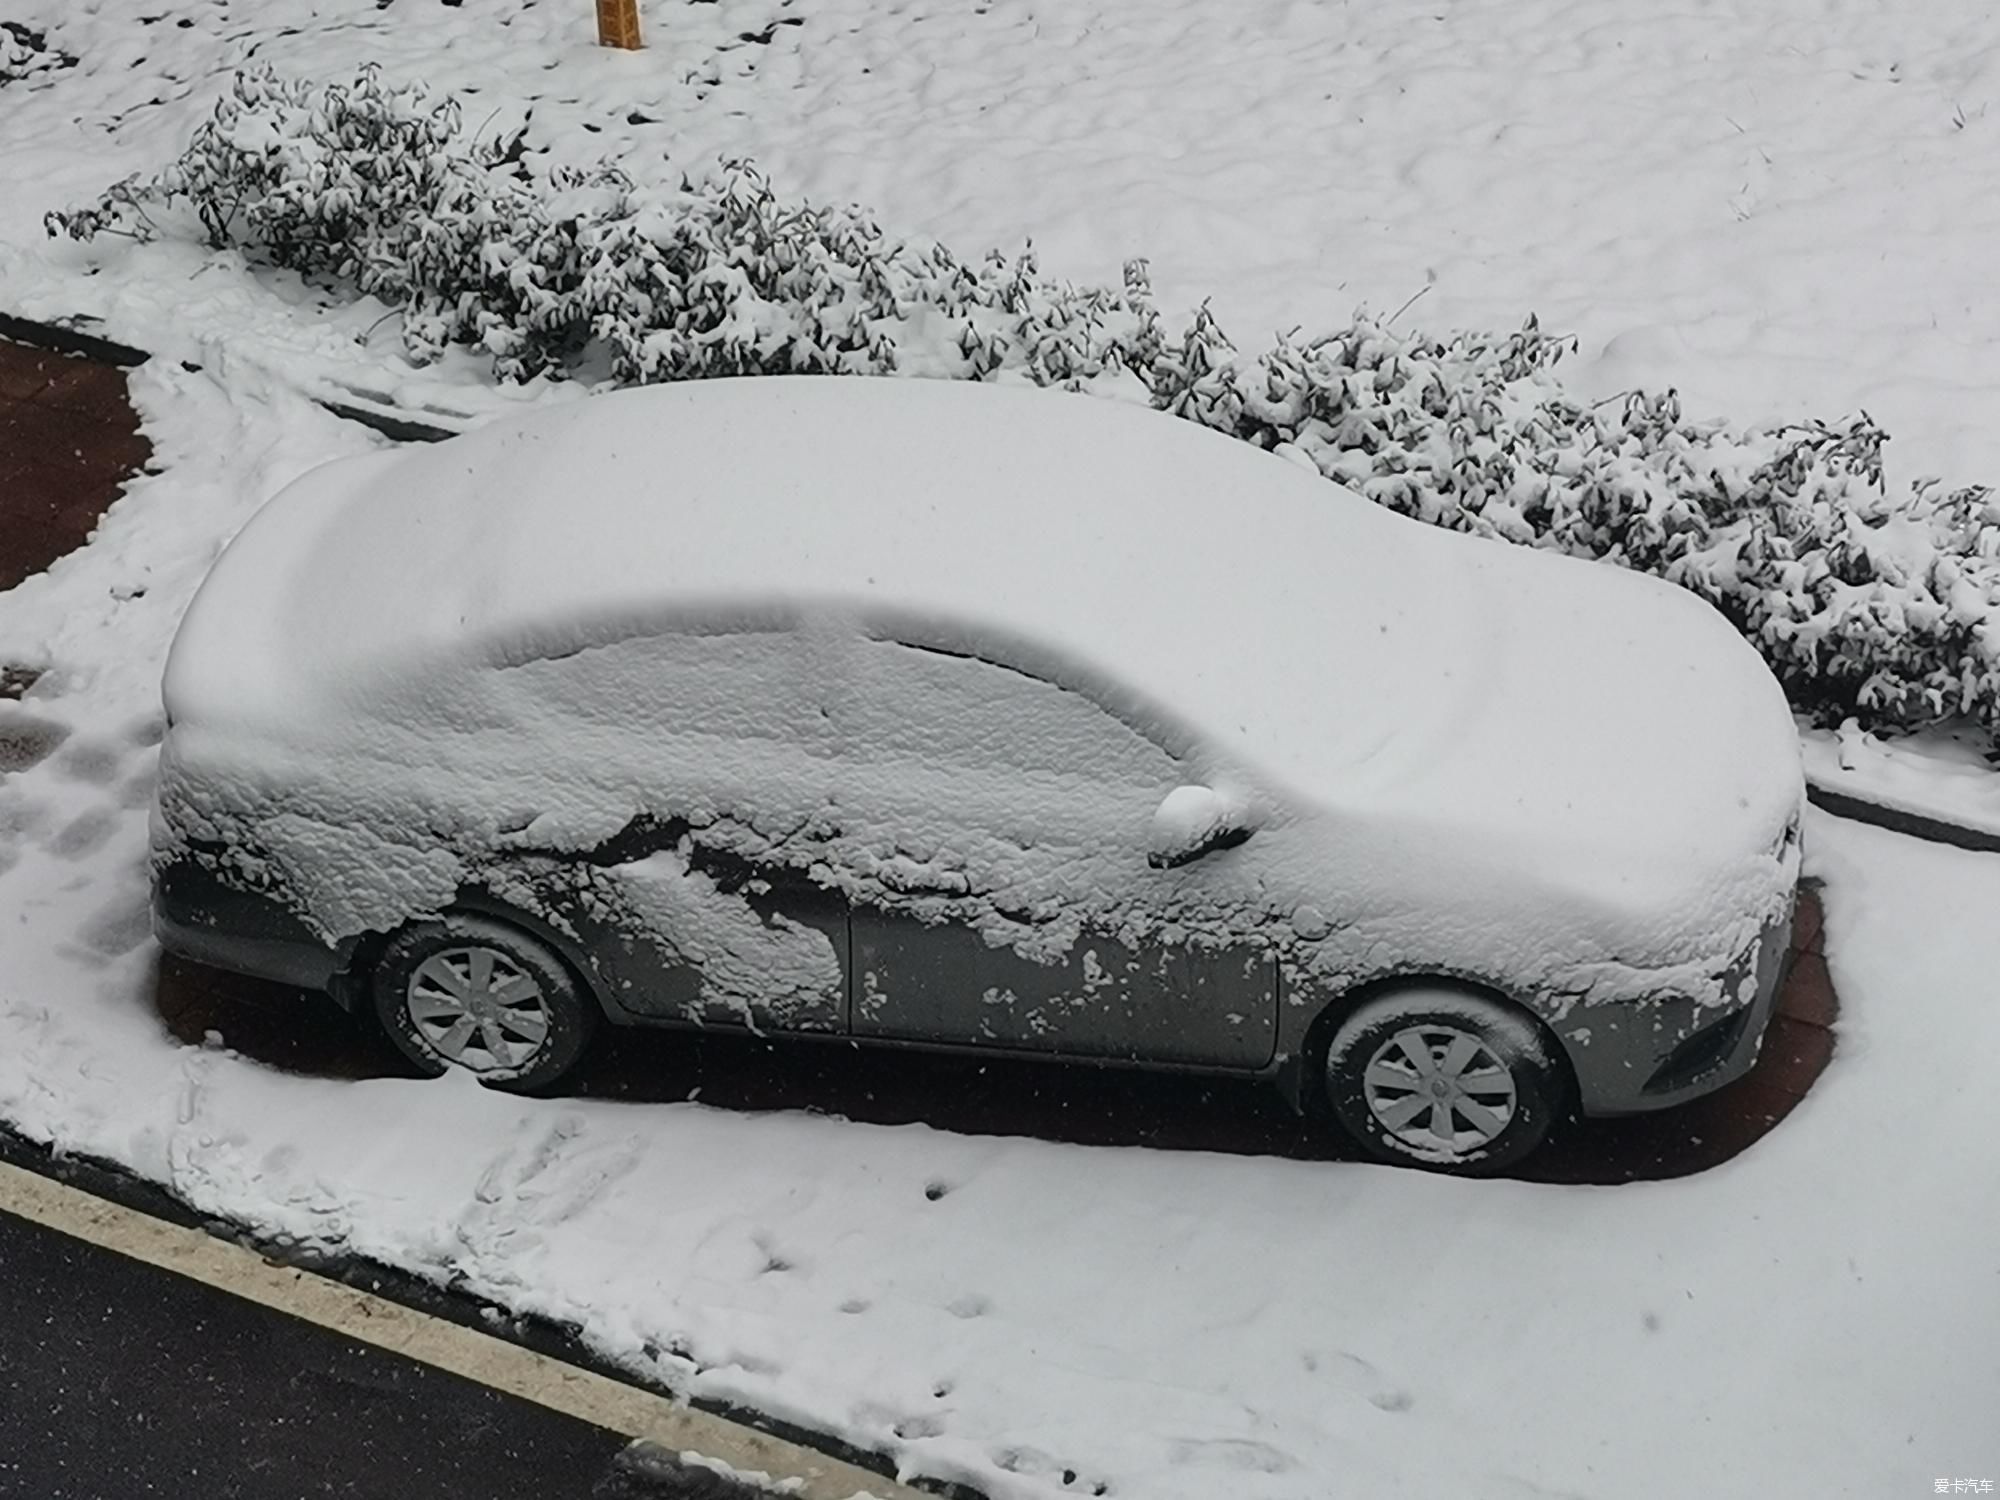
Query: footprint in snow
x=138 y=789
x=84 y=834
x=91 y=761
x=514 y=1172
x=1360 y=1374
x=279 y=1159
x=1037 y=1464
x=558 y=1178
x=776 y=1262
x=119 y=928
x=1244 y=1455
x=19 y=817
x=1381 y=1393
x=27 y=739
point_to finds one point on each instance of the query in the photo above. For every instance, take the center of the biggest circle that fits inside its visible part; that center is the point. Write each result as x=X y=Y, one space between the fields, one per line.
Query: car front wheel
x=473 y=993
x=1443 y=1079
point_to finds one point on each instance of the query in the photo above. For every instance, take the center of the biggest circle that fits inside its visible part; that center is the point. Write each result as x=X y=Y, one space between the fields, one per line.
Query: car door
x=698 y=902
x=996 y=846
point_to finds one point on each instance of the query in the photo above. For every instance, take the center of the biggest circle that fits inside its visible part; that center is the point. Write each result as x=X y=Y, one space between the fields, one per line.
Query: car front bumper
x=1668 y=1051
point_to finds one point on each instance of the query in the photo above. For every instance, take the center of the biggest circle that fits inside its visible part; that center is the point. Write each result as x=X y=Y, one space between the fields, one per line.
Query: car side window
x=936 y=708
x=735 y=686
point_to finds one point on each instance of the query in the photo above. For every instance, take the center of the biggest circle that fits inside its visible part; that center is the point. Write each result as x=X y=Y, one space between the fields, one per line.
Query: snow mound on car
x=1442 y=724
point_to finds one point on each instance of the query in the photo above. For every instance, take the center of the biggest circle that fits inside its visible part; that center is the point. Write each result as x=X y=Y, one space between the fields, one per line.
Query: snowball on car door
x=944 y=715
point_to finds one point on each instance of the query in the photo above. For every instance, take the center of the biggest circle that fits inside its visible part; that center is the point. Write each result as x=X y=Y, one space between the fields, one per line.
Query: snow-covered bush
x=375 y=186
x=1865 y=606
x=25 y=51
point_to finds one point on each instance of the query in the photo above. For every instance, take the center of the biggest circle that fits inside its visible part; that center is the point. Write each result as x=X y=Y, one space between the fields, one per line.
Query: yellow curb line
x=443 y=1345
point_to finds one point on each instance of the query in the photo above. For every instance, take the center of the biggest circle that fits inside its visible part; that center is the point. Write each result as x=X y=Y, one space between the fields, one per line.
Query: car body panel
x=667 y=931
x=1613 y=1058
x=1184 y=1003
x=199 y=915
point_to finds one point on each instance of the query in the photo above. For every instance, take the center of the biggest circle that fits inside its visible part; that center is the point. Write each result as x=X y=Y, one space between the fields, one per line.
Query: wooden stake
x=618 y=24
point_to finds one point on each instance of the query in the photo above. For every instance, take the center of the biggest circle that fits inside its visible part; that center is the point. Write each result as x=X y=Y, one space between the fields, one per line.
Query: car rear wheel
x=472 y=993
x=1443 y=1079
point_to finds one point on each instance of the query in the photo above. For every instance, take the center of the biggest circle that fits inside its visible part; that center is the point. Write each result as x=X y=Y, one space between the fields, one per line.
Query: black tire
x=543 y=1039
x=1395 y=1120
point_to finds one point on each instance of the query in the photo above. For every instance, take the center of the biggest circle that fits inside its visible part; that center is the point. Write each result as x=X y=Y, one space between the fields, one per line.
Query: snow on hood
x=1367 y=667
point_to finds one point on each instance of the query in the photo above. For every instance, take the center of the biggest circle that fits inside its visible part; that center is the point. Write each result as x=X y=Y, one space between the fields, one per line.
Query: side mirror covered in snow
x=1195 y=820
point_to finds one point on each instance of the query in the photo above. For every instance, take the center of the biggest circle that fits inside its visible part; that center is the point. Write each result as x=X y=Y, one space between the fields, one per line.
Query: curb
x=646 y=1470
x=70 y=340
x=1897 y=820
x=390 y=424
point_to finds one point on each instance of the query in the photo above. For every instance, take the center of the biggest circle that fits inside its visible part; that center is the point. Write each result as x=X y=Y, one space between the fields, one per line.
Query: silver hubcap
x=1439 y=1090
x=478 y=1009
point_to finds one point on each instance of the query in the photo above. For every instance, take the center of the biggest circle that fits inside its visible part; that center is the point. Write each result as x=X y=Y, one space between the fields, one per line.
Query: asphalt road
x=123 y=1381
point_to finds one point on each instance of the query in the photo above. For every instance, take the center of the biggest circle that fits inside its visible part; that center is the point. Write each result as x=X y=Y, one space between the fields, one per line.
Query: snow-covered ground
x=1819 y=1311
x=1784 y=209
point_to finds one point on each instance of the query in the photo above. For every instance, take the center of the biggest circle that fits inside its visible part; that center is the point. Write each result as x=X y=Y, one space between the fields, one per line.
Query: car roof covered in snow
x=1287 y=620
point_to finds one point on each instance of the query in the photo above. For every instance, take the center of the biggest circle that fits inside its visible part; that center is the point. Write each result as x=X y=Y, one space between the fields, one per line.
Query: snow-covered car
x=952 y=716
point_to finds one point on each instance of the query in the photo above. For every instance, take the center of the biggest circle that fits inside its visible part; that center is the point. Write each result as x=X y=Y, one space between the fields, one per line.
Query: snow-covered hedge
x=25 y=51
x=1866 y=605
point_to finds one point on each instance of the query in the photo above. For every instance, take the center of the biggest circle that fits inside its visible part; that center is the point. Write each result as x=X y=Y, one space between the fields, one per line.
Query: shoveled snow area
x=1814 y=1318
x=1784 y=208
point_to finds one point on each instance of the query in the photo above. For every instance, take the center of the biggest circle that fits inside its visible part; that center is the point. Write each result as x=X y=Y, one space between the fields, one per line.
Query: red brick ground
x=68 y=440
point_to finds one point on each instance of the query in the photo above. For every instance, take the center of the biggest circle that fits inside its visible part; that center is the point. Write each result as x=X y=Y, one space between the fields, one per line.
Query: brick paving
x=68 y=439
